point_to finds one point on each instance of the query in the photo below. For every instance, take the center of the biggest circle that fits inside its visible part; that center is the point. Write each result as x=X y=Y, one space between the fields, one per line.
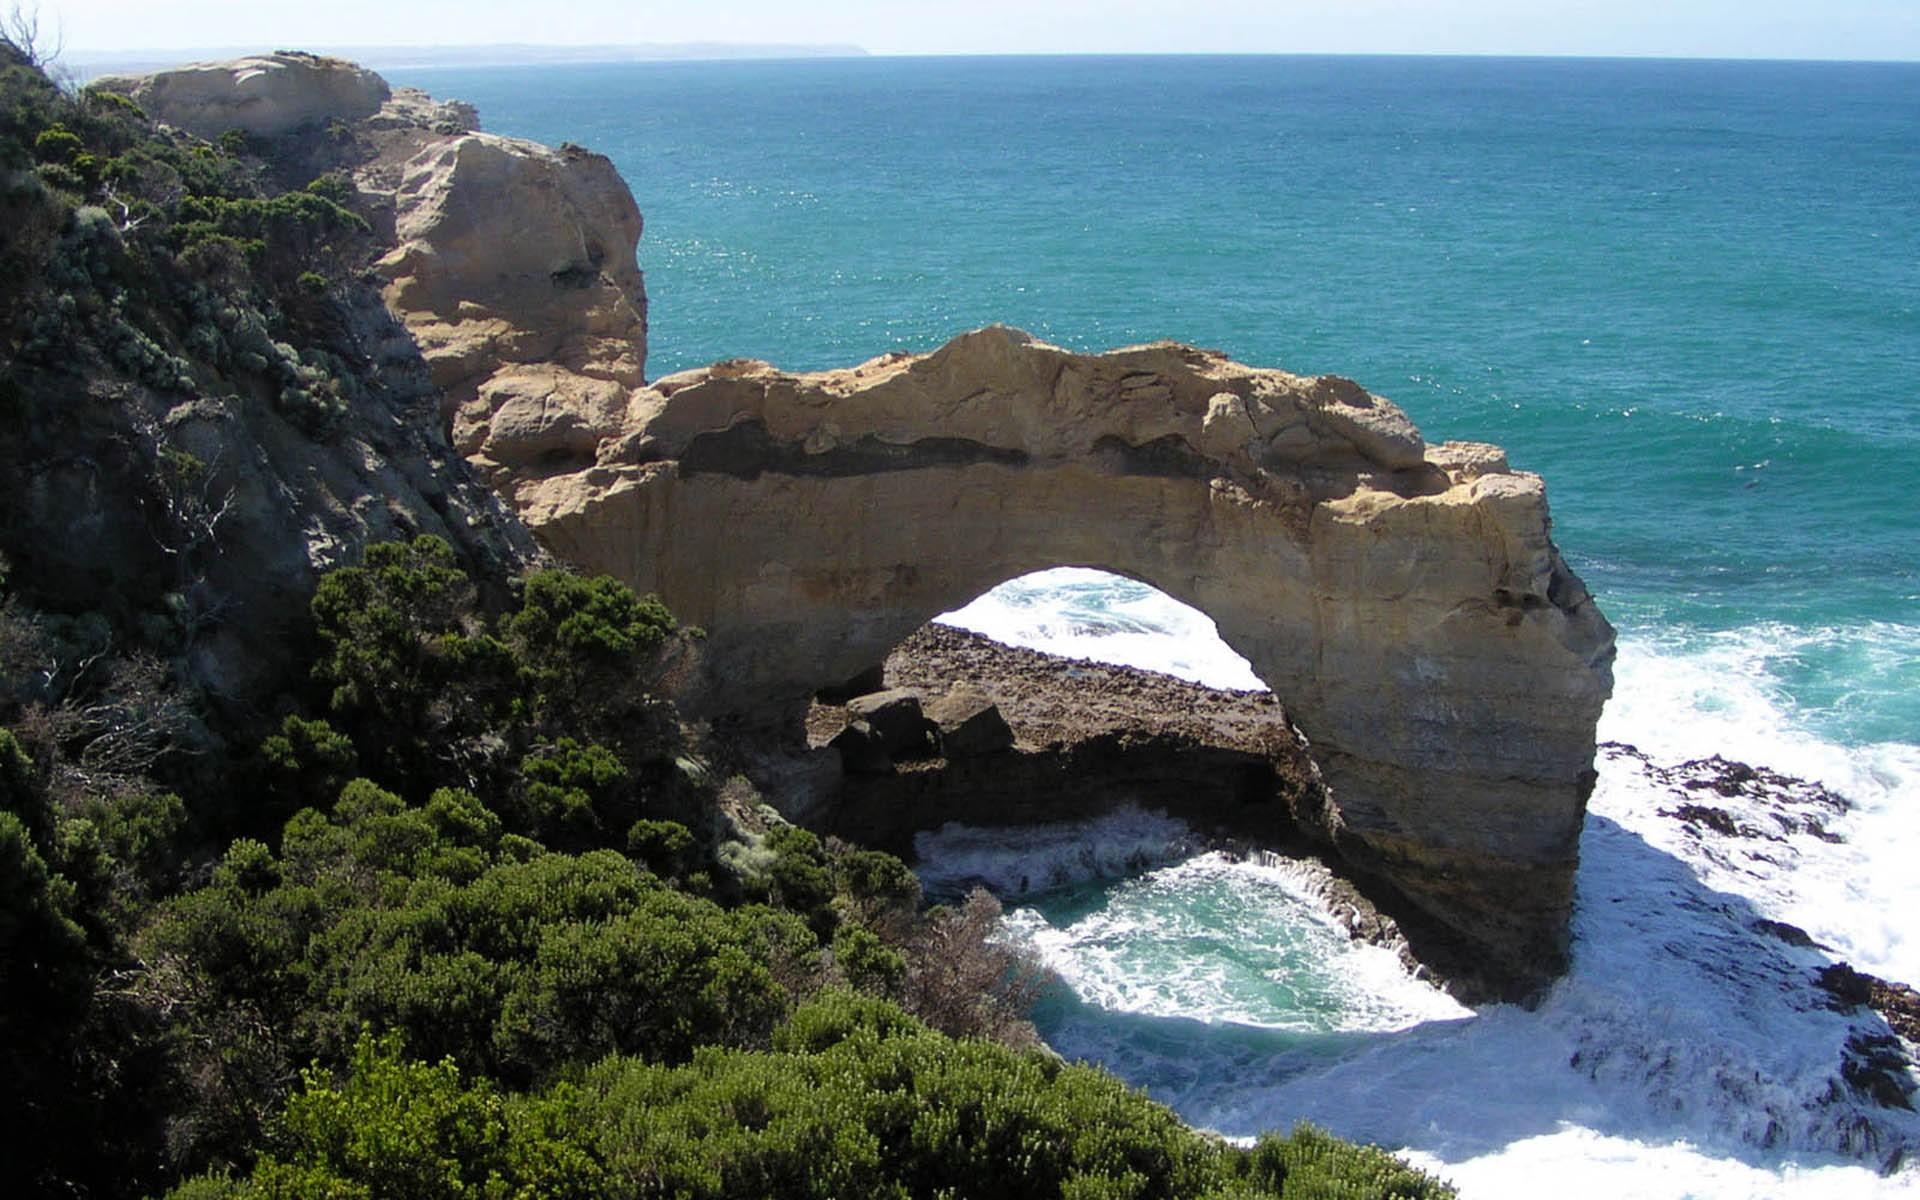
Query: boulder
x=265 y=95
x=862 y=750
x=897 y=721
x=970 y=723
x=514 y=270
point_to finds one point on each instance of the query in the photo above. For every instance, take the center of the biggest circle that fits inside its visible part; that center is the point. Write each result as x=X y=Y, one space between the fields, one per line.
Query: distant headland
x=88 y=64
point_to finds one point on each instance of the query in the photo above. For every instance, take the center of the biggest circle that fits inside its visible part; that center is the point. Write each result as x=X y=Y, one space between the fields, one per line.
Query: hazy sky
x=1705 y=28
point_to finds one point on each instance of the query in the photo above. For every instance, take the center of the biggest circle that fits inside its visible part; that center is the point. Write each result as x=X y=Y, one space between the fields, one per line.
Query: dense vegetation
x=508 y=941
x=175 y=258
x=470 y=911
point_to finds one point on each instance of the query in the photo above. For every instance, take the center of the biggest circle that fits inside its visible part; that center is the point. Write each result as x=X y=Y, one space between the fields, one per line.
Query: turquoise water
x=1686 y=292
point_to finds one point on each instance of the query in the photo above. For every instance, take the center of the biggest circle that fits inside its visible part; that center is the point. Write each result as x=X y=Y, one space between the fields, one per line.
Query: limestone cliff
x=492 y=271
x=511 y=264
x=514 y=271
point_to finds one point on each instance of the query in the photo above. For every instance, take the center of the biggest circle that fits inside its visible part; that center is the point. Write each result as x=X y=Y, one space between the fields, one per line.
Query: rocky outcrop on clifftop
x=514 y=270
x=510 y=263
x=495 y=272
x=265 y=95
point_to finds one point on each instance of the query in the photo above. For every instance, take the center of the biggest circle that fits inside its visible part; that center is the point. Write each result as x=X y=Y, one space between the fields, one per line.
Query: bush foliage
x=490 y=965
x=175 y=263
x=856 y=1099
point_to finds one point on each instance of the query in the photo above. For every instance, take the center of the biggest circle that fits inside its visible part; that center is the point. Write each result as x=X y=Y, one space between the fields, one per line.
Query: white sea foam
x=1683 y=1055
x=1719 y=696
x=1035 y=858
x=1080 y=613
x=1231 y=941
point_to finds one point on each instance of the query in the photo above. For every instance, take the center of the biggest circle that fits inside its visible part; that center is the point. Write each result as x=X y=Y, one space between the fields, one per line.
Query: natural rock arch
x=1404 y=600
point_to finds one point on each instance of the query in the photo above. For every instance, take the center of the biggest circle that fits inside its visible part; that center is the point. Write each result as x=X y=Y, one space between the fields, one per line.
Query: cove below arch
x=1405 y=600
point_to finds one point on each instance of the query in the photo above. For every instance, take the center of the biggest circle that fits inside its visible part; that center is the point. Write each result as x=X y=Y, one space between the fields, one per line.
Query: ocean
x=1687 y=293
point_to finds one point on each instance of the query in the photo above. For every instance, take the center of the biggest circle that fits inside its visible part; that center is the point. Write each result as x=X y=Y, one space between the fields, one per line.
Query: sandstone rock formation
x=510 y=263
x=515 y=272
x=970 y=723
x=1404 y=600
x=266 y=95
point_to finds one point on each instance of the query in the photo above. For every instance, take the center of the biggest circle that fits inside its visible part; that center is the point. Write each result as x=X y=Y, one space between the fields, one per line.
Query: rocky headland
x=1405 y=600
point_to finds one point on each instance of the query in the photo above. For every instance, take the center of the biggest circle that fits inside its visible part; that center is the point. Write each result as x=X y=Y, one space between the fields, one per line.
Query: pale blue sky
x=1699 y=28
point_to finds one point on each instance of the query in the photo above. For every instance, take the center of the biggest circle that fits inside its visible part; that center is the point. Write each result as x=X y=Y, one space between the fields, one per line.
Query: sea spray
x=1078 y=612
x=1854 y=890
x=1021 y=860
x=1688 y=1051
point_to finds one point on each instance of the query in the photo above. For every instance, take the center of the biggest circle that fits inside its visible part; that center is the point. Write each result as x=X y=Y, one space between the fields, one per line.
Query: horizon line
x=695 y=51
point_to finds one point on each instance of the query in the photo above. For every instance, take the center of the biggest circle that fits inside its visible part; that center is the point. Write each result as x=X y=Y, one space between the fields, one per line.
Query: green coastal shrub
x=57 y=144
x=857 y=1101
x=571 y=795
x=867 y=962
x=801 y=876
x=666 y=848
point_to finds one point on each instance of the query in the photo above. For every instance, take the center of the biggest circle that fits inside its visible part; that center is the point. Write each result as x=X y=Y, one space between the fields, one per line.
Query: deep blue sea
x=1687 y=293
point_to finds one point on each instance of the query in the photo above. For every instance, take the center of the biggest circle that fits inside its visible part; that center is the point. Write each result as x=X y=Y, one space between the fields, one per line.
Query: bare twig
x=128 y=222
x=966 y=981
x=28 y=663
x=133 y=722
x=20 y=30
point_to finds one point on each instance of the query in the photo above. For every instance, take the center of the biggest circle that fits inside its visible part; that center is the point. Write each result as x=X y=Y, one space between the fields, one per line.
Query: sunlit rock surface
x=1404 y=600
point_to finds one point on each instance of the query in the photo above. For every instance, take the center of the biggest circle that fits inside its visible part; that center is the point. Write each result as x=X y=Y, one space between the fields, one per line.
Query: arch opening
x=1088 y=612
x=1062 y=697
x=1136 y=777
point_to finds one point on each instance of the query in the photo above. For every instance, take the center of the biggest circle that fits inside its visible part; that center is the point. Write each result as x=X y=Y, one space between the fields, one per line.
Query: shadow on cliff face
x=1687 y=1017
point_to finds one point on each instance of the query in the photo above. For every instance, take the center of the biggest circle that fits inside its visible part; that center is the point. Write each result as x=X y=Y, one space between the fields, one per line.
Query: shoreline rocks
x=1088 y=737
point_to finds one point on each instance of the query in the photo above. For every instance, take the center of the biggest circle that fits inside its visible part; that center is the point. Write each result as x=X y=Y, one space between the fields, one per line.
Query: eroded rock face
x=1404 y=600
x=223 y=560
x=515 y=271
x=510 y=263
x=266 y=95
